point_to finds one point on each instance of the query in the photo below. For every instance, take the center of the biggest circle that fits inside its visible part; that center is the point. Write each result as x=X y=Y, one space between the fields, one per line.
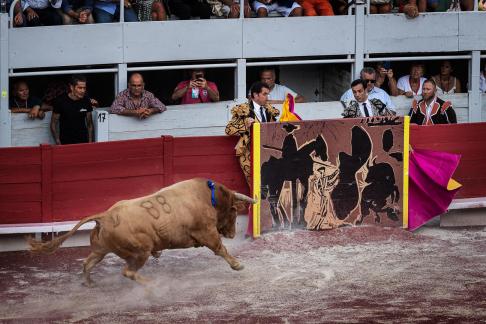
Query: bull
x=191 y=213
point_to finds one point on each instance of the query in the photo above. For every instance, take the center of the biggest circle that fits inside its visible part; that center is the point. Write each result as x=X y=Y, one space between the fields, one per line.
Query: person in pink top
x=196 y=90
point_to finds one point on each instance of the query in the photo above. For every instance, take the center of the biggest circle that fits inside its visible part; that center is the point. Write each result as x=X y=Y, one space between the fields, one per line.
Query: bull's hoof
x=156 y=254
x=88 y=284
x=238 y=267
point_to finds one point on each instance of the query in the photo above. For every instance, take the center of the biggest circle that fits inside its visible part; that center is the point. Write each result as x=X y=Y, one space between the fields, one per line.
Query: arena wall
x=63 y=183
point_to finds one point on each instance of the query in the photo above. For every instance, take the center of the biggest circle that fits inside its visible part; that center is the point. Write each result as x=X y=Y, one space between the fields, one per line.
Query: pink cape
x=429 y=176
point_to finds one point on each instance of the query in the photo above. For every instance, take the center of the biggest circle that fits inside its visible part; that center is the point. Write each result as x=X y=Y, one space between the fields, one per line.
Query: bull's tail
x=54 y=244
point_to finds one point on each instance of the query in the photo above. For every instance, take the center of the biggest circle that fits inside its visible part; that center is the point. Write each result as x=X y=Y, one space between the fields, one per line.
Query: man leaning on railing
x=136 y=101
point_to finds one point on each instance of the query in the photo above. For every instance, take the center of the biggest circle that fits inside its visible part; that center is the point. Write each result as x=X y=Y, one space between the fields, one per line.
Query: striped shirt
x=124 y=101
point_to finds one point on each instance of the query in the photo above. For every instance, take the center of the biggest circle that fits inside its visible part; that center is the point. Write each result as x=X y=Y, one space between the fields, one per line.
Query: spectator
x=446 y=83
x=19 y=19
x=368 y=74
x=482 y=80
x=316 y=7
x=107 y=11
x=150 y=10
x=42 y=12
x=77 y=12
x=136 y=101
x=196 y=90
x=462 y=5
x=72 y=111
x=243 y=116
x=234 y=6
x=185 y=9
x=340 y=7
x=380 y=6
x=431 y=109
x=384 y=72
x=55 y=89
x=411 y=85
x=22 y=102
x=278 y=92
x=287 y=8
x=412 y=8
x=228 y=8
x=362 y=105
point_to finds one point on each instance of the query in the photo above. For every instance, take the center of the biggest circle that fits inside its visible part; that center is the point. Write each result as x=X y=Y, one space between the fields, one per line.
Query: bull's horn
x=242 y=197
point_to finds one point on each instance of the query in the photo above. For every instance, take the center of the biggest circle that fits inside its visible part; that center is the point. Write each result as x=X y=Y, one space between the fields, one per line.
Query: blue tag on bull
x=213 y=197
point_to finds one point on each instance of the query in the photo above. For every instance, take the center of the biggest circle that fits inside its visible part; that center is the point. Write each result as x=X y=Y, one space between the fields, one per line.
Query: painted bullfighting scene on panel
x=329 y=174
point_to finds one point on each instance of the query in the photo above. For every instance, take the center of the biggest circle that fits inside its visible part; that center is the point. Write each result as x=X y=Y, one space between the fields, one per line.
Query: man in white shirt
x=411 y=85
x=362 y=105
x=368 y=74
x=278 y=92
x=42 y=12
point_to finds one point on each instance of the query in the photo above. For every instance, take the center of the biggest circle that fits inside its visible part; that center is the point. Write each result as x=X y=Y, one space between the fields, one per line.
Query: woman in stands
x=446 y=82
x=150 y=10
x=22 y=102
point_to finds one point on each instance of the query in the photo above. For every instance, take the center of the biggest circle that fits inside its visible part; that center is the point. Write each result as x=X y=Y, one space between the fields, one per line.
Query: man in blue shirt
x=368 y=74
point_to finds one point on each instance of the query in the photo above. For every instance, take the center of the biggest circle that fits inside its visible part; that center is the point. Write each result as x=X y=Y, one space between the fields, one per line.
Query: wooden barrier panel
x=64 y=183
x=20 y=185
x=464 y=139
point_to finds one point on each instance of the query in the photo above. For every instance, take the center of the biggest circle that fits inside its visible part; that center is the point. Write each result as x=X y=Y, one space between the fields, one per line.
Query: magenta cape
x=429 y=176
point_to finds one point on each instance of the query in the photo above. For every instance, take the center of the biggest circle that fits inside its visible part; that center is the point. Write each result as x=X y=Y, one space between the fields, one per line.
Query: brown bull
x=179 y=216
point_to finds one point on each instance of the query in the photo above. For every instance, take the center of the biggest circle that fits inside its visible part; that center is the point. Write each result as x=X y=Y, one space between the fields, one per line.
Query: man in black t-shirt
x=73 y=112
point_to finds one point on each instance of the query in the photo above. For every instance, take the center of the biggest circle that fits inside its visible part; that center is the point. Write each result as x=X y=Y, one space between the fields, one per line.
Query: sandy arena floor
x=349 y=275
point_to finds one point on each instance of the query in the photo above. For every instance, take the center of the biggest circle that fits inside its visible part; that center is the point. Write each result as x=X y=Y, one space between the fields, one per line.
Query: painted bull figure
x=190 y=213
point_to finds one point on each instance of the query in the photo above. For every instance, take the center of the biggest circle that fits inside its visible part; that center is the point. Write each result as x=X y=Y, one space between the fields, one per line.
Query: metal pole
x=242 y=9
x=5 y=118
x=181 y=67
x=11 y=12
x=240 y=80
x=474 y=95
x=122 y=78
x=323 y=61
x=418 y=58
x=60 y=72
x=359 y=40
x=122 y=11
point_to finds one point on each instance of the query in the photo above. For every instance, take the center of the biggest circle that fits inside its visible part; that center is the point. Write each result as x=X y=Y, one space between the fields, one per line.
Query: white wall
x=193 y=120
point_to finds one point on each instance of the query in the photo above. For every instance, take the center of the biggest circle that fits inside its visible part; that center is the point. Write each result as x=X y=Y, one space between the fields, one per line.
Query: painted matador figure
x=239 y=125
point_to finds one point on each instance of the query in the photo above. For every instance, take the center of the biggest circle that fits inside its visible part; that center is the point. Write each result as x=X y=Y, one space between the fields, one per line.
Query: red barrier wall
x=61 y=183
x=465 y=139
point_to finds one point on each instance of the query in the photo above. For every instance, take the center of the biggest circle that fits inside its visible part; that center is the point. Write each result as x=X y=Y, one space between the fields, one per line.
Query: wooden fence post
x=46 y=182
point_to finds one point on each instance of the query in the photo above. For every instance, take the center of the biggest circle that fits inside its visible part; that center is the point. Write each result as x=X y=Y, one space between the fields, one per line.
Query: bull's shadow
x=345 y=196
x=294 y=165
x=381 y=186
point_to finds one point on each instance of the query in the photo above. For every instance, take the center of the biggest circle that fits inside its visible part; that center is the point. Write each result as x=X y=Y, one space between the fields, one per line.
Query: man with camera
x=196 y=90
